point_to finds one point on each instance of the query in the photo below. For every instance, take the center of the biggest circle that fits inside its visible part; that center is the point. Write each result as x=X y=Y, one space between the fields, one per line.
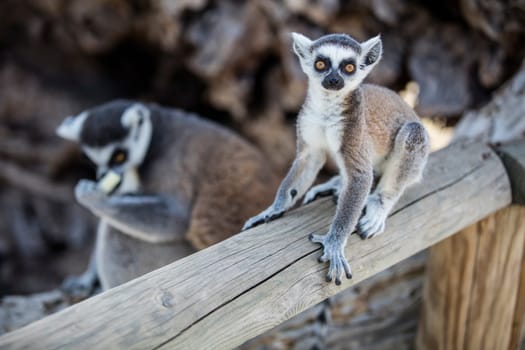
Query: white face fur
x=124 y=155
x=336 y=63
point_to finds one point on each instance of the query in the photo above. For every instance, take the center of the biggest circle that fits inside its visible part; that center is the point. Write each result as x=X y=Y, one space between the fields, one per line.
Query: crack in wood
x=231 y=300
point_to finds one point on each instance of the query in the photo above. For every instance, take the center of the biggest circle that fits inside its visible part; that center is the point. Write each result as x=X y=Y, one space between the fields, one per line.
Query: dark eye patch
x=118 y=157
x=326 y=63
x=344 y=63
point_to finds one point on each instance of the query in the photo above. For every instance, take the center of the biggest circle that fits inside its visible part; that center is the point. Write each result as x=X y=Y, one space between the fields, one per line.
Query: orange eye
x=119 y=157
x=349 y=68
x=320 y=65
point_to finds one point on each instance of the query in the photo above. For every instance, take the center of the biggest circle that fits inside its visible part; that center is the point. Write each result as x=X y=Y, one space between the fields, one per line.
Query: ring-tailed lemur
x=181 y=183
x=366 y=129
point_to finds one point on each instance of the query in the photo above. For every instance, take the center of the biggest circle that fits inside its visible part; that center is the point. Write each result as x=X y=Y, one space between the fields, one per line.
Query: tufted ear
x=134 y=116
x=71 y=127
x=301 y=45
x=372 y=50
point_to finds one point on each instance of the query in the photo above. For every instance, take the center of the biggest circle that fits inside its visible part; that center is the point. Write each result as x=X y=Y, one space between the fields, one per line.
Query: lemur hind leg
x=404 y=167
x=330 y=187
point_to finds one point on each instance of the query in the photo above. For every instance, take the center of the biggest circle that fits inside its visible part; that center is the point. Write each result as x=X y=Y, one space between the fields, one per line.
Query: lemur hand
x=333 y=251
x=320 y=191
x=331 y=187
x=80 y=287
x=269 y=214
x=87 y=192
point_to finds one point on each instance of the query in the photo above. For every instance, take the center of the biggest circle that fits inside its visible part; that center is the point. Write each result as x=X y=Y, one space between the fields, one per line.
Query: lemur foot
x=333 y=251
x=80 y=287
x=264 y=217
x=87 y=192
x=372 y=223
x=331 y=187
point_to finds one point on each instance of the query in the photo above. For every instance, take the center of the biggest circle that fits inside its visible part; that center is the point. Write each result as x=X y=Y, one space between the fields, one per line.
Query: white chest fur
x=321 y=123
x=322 y=134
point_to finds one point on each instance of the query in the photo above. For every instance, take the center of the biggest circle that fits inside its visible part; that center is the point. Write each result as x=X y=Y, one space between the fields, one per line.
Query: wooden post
x=475 y=284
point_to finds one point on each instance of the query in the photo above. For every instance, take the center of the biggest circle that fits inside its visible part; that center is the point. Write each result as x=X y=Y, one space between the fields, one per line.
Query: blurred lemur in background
x=168 y=183
x=366 y=129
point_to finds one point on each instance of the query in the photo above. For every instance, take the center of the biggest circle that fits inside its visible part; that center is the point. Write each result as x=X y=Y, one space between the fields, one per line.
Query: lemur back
x=385 y=113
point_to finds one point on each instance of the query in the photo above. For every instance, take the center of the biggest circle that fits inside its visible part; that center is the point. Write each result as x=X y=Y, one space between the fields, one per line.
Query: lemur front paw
x=268 y=215
x=318 y=192
x=331 y=187
x=333 y=251
x=372 y=223
x=87 y=192
x=80 y=287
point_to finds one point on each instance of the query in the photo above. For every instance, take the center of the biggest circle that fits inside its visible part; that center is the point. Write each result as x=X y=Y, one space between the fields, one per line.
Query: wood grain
x=518 y=323
x=228 y=293
x=472 y=286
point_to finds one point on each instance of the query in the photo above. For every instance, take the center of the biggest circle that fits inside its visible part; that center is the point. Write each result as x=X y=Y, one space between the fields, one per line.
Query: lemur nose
x=333 y=82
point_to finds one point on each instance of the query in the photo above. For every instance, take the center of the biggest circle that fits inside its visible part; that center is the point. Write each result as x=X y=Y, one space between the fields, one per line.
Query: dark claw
x=361 y=233
x=338 y=281
x=317 y=195
x=328 y=278
x=319 y=260
x=311 y=236
x=320 y=195
x=256 y=223
x=276 y=216
x=348 y=275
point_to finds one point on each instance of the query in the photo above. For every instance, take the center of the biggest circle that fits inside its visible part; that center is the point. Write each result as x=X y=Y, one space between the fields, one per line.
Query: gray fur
x=299 y=178
x=147 y=222
x=406 y=164
x=153 y=219
x=343 y=40
x=335 y=121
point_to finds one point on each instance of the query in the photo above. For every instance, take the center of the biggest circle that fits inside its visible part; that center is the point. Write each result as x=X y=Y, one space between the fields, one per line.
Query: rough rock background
x=231 y=62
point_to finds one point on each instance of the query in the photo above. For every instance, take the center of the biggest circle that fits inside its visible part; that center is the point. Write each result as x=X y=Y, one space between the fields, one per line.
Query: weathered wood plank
x=472 y=285
x=237 y=289
x=518 y=323
x=453 y=259
x=496 y=279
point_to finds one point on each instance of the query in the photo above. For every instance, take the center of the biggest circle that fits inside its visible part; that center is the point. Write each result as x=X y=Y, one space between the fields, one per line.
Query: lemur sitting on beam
x=364 y=128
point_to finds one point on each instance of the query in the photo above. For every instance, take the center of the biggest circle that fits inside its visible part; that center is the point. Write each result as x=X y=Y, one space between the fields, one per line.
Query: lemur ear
x=134 y=116
x=71 y=127
x=372 y=50
x=301 y=45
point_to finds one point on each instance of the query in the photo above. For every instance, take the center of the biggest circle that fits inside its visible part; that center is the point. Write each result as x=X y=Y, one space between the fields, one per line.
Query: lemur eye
x=320 y=65
x=349 y=68
x=119 y=157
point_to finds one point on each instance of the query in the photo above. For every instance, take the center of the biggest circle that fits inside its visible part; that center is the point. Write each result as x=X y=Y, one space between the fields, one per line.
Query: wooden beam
x=473 y=295
x=230 y=292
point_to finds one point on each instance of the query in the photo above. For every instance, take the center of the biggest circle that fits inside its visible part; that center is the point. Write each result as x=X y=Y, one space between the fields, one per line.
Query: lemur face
x=336 y=62
x=114 y=136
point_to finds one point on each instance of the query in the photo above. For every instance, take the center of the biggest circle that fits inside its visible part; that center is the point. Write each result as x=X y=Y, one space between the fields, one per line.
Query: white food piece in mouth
x=109 y=182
